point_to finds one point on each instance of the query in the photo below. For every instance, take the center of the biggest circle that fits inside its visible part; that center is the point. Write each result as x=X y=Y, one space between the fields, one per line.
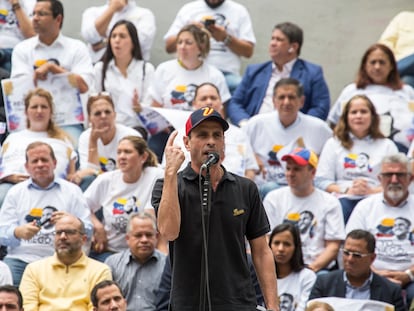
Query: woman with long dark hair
x=294 y=280
x=124 y=74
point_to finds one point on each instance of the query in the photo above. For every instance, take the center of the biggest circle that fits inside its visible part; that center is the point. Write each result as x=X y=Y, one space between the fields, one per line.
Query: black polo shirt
x=236 y=212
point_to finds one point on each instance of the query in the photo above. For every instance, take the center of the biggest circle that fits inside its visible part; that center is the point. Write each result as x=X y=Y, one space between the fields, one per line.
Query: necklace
x=180 y=62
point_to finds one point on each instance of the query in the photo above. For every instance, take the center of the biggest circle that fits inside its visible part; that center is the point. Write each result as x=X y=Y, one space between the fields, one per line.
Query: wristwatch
x=227 y=40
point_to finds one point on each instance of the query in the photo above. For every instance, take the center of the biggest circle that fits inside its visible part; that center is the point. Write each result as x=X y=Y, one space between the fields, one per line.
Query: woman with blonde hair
x=121 y=192
x=40 y=126
x=319 y=306
x=175 y=80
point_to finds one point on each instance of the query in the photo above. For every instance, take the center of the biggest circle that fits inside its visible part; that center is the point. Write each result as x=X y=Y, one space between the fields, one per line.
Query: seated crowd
x=81 y=189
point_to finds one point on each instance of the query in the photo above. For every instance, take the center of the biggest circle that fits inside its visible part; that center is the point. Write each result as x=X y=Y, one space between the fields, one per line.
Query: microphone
x=213 y=158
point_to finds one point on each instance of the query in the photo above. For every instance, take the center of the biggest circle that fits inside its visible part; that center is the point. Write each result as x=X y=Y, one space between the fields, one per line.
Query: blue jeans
x=157 y=143
x=406 y=69
x=17 y=268
x=86 y=181
x=265 y=188
x=4 y=188
x=100 y=256
x=5 y=59
x=74 y=131
x=232 y=81
x=409 y=291
x=348 y=206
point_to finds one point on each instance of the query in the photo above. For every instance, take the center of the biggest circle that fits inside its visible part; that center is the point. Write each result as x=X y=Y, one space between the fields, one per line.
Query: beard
x=214 y=5
x=395 y=192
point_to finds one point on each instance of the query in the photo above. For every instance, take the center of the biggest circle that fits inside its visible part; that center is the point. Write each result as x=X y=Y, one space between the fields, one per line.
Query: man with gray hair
x=138 y=269
x=381 y=214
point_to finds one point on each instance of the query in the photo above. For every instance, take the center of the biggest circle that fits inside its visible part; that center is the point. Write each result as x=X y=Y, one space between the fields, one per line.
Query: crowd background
x=336 y=32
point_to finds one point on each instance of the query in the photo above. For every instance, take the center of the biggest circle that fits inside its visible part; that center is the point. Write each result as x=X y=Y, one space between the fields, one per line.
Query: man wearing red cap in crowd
x=317 y=213
x=236 y=212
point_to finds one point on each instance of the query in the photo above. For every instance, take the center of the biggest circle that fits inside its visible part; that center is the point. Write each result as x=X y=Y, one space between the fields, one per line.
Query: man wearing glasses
x=357 y=280
x=63 y=281
x=21 y=227
x=51 y=53
x=389 y=216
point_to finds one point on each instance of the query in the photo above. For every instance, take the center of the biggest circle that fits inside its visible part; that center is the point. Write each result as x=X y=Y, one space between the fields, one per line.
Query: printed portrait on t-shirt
x=357 y=164
x=42 y=216
x=182 y=96
x=286 y=302
x=47 y=212
x=305 y=221
x=275 y=171
x=395 y=240
x=121 y=210
x=107 y=164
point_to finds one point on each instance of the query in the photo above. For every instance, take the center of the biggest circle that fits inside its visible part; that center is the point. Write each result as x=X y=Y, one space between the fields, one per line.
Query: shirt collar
x=367 y=138
x=81 y=262
x=54 y=183
x=288 y=66
x=366 y=284
x=190 y=174
x=58 y=41
x=402 y=204
x=131 y=258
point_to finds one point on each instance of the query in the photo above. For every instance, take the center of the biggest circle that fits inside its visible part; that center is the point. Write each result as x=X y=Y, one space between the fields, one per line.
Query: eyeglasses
x=68 y=232
x=356 y=255
x=101 y=112
x=103 y=93
x=41 y=13
x=389 y=175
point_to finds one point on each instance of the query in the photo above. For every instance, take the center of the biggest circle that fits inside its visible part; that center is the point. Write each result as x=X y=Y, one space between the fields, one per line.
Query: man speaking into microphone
x=212 y=272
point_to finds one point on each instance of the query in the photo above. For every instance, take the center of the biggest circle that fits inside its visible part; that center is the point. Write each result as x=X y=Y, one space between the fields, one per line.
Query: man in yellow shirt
x=64 y=280
x=399 y=37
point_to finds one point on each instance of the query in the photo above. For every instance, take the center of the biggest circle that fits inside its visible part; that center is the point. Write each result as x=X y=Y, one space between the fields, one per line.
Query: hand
x=174 y=156
x=399 y=277
x=27 y=231
x=41 y=72
x=100 y=240
x=117 y=5
x=57 y=215
x=75 y=178
x=218 y=32
x=15 y=178
x=97 y=133
x=359 y=187
x=262 y=169
x=136 y=106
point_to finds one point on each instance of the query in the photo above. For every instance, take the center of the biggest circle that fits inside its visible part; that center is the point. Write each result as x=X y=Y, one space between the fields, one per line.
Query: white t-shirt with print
x=397 y=106
x=174 y=86
x=299 y=285
x=318 y=217
x=119 y=199
x=268 y=136
x=231 y=15
x=341 y=166
x=394 y=239
x=107 y=153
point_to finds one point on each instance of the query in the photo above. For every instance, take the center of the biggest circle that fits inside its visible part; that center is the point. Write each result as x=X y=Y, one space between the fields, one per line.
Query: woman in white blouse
x=124 y=74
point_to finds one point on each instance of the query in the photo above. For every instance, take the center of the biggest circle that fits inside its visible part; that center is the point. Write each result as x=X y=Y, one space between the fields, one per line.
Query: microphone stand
x=205 y=195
